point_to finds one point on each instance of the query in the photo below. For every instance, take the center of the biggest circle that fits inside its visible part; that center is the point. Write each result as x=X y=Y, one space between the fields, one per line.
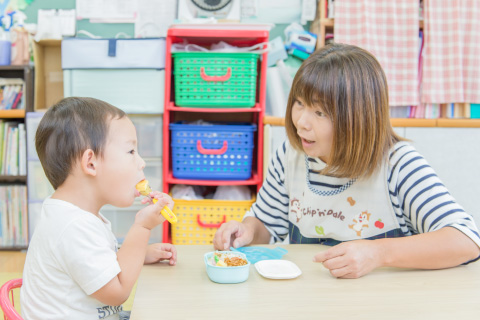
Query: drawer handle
x=210 y=225
x=216 y=152
x=225 y=77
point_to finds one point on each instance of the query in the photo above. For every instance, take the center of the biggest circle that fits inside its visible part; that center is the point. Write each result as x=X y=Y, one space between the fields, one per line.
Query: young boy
x=74 y=270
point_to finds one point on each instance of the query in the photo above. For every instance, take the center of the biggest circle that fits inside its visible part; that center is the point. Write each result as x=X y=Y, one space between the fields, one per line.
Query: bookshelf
x=14 y=233
x=12 y=114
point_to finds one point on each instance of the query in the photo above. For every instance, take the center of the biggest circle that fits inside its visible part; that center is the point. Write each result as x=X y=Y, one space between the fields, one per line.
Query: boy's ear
x=89 y=162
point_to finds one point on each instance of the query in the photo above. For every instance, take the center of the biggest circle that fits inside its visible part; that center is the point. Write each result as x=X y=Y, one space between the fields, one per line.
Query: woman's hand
x=232 y=234
x=352 y=259
x=161 y=251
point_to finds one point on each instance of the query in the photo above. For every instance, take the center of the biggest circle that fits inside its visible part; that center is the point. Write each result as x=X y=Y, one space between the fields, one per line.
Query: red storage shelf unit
x=206 y=35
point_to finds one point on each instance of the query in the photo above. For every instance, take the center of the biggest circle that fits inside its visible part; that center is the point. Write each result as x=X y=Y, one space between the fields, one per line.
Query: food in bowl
x=227 y=266
x=227 y=259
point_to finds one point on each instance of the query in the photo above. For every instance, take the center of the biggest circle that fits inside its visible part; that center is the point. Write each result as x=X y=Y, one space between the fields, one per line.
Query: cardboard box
x=47 y=55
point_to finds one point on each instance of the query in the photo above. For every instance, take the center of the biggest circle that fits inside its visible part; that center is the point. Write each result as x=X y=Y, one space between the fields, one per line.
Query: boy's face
x=314 y=128
x=121 y=167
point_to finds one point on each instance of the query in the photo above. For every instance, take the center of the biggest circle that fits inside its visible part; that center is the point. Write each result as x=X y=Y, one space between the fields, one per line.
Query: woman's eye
x=298 y=103
x=132 y=151
x=320 y=113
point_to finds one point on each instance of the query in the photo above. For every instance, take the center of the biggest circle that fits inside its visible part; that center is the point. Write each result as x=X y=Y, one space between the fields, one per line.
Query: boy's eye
x=132 y=151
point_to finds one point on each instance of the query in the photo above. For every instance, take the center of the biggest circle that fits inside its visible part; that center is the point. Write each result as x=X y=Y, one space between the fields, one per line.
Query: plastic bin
x=475 y=110
x=198 y=220
x=137 y=91
x=153 y=173
x=83 y=53
x=213 y=151
x=149 y=135
x=31 y=124
x=39 y=188
x=215 y=80
x=122 y=220
x=34 y=211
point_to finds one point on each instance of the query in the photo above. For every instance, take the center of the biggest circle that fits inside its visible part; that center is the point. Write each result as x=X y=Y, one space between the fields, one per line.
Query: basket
x=215 y=80
x=212 y=151
x=198 y=220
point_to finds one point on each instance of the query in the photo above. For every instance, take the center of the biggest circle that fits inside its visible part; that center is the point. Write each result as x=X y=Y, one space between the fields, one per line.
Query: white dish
x=278 y=269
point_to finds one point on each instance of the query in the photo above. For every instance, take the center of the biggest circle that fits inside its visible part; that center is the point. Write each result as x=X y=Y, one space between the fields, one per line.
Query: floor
x=11 y=267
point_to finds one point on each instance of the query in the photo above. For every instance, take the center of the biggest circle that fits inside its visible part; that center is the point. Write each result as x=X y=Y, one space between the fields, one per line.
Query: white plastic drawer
x=78 y=53
x=34 y=211
x=38 y=185
x=149 y=135
x=153 y=173
x=137 y=91
x=32 y=121
x=122 y=220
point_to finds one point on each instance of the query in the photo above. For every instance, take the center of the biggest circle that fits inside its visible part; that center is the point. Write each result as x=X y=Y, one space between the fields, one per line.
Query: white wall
x=454 y=153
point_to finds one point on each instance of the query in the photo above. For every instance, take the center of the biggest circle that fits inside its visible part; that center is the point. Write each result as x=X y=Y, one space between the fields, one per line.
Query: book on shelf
x=11 y=93
x=13 y=216
x=12 y=148
x=22 y=150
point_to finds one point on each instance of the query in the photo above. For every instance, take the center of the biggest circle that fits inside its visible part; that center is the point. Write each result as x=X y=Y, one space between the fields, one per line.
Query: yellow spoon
x=145 y=190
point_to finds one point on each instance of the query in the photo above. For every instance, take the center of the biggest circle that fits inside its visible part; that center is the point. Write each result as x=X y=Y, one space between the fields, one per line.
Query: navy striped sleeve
x=420 y=198
x=271 y=206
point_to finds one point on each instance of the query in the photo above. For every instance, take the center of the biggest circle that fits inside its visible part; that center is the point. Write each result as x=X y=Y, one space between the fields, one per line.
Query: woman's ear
x=89 y=162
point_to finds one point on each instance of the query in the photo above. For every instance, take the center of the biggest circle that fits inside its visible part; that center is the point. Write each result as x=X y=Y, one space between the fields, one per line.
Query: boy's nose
x=142 y=163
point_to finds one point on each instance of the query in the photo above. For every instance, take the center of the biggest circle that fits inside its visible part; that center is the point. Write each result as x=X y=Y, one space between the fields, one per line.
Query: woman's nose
x=304 y=120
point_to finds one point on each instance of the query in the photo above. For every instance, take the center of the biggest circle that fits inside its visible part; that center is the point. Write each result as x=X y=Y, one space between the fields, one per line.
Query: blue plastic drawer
x=212 y=152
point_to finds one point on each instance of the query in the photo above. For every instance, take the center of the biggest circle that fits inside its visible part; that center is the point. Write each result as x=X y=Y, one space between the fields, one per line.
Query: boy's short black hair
x=67 y=129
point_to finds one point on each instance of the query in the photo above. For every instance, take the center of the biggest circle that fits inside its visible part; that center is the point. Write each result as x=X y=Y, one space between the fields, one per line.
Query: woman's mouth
x=307 y=143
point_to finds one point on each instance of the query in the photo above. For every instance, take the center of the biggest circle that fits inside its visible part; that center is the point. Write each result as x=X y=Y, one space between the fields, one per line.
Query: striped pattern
x=451 y=66
x=389 y=30
x=420 y=200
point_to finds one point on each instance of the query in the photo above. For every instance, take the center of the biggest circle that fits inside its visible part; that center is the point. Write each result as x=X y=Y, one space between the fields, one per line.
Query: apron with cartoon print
x=360 y=209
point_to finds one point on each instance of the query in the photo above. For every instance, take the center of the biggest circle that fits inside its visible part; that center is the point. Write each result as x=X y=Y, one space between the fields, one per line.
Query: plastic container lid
x=255 y=254
x=278 y=269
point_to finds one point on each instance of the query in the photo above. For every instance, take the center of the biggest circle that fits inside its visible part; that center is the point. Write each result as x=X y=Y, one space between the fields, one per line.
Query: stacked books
x=13 y=149
x=11 y=93
x=13 y=216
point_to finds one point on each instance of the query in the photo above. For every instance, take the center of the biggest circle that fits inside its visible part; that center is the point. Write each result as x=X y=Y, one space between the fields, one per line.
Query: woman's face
x=314 y=128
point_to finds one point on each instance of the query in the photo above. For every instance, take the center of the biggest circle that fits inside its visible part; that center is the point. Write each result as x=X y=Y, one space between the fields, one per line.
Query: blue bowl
x=227 y=274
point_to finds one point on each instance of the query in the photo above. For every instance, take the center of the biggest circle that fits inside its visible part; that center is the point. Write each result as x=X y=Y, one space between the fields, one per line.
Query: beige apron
x=360 y=209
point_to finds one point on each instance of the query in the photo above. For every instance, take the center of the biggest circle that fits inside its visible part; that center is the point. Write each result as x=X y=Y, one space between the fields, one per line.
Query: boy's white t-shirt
x=71 y=255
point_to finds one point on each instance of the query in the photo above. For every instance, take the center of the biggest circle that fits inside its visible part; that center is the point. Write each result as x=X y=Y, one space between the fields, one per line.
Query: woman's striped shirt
x=420 y=200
